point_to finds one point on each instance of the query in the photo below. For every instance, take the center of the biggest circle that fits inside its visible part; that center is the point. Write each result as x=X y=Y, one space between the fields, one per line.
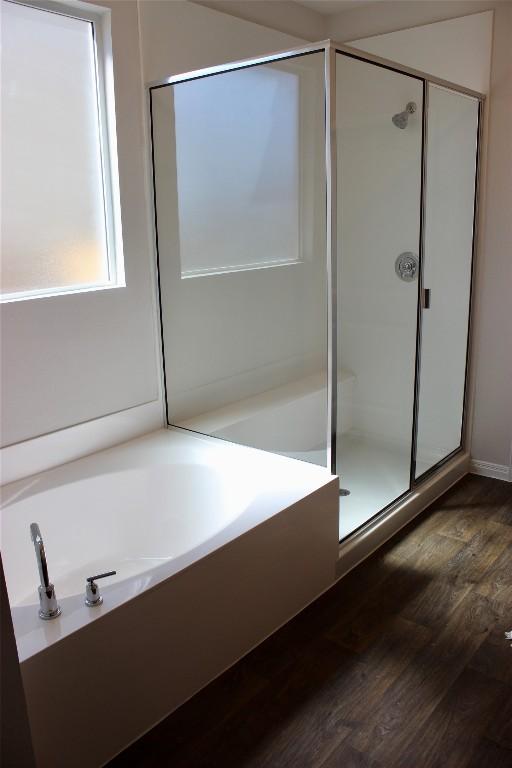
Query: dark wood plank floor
x=402 y=664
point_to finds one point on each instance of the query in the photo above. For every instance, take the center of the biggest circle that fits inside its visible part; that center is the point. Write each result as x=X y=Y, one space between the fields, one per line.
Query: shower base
x=375 y=472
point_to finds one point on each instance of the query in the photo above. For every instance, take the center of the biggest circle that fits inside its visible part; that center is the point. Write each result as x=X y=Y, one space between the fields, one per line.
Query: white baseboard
x=41 y=453
x=487 y=469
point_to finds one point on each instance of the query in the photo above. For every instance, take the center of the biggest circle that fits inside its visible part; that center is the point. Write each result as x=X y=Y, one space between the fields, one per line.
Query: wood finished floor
x=402 y=664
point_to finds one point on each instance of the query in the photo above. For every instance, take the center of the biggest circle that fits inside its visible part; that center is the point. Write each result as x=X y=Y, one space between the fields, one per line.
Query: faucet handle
x=35 y=532
x=101 y=576
x=92 y=591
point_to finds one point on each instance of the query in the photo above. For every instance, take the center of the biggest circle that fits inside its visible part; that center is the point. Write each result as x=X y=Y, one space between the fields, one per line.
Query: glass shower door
x=452 y=137
x=239 y=179
x=379 y=178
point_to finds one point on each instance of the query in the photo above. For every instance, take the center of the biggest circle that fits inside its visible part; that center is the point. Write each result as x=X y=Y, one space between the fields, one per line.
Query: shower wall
x=379 y=179
x=379 y=192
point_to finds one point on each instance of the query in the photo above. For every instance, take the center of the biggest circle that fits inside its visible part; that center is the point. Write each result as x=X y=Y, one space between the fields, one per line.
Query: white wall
x=383 y=16
x=492 y=421
x=282 y=15
x=69 y=359
x=432 y=48
x=178 y=36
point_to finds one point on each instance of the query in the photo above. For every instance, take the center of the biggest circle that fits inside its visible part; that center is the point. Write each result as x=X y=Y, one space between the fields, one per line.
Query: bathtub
x=214 y=546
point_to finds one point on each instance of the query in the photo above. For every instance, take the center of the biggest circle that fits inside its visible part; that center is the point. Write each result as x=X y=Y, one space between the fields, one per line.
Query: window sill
x=238 y=268
x=11 y=298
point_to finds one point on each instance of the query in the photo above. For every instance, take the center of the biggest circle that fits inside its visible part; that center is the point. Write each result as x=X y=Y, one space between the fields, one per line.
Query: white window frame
x=100 y=19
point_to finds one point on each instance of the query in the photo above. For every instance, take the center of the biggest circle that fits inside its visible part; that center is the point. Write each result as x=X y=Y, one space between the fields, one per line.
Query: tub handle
x=92 y=591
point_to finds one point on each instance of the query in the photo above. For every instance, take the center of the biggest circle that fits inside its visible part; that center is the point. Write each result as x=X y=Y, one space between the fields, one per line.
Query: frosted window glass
x=237 y=158
x=53 y=219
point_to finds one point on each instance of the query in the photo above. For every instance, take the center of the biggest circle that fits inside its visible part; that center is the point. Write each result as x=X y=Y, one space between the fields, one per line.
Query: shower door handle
x=426 y=298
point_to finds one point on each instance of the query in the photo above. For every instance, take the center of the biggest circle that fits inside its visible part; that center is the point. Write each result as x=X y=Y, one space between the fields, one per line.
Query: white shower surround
x=290 y=419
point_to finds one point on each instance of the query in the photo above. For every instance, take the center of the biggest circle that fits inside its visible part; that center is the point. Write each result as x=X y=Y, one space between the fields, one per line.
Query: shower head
x=402 y=118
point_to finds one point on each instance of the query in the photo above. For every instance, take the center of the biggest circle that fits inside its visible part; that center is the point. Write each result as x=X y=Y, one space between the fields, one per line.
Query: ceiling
x=328 y=7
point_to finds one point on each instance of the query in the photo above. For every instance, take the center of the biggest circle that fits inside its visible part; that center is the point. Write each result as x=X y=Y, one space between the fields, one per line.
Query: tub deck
x=148 y=509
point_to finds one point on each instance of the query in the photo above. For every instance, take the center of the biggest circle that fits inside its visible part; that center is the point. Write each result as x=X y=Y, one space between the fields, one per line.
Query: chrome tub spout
x=48 y=606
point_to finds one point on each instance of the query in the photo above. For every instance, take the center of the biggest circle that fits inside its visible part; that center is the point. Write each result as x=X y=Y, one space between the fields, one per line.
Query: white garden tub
x=215 y=546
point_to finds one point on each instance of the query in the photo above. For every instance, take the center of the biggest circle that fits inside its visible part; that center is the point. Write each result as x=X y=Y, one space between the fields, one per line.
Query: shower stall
x=315 y=215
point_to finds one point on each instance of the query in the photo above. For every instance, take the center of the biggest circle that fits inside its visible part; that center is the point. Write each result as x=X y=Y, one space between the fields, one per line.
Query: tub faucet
x=48 y=606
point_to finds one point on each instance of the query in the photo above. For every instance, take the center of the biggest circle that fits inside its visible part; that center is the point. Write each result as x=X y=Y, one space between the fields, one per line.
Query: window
x=238 y=170
x=60 y=198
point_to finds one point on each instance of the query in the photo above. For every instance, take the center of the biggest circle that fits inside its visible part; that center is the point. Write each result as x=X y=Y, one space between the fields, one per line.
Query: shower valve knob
x=406 y=266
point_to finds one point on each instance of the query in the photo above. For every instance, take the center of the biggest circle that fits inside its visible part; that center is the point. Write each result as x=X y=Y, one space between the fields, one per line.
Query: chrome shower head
x=402 y=118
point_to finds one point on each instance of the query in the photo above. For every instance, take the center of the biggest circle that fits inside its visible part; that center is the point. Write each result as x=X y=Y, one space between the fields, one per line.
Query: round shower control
x=406 y=266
